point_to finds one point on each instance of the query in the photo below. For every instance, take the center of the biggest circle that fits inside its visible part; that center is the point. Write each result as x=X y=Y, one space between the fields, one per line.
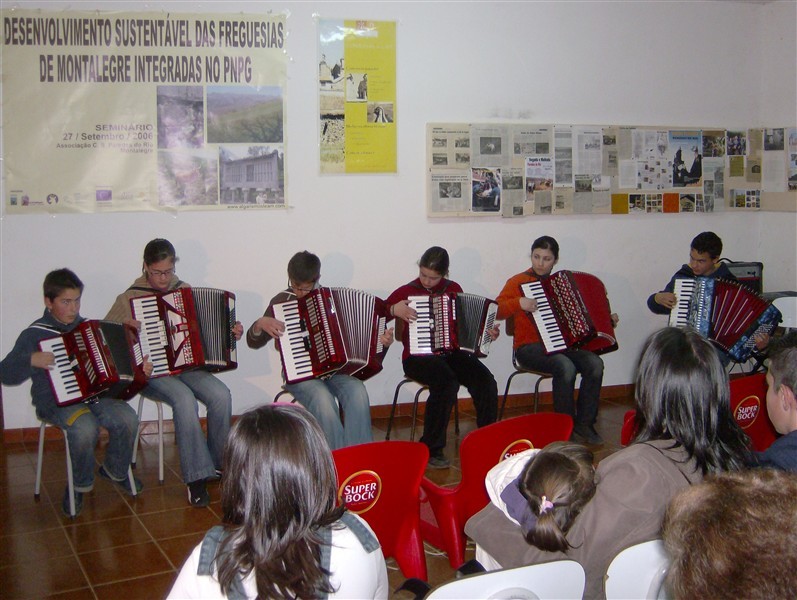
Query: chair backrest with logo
x=381 y=482
x=484 y=448
x=749 y=408
x=445 y=510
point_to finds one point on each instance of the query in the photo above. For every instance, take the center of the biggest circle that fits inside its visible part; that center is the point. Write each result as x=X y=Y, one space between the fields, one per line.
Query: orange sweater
x=509 y=306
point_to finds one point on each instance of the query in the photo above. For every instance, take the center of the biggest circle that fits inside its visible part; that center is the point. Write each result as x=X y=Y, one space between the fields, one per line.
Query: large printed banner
x=142 y=111
x=357 y=96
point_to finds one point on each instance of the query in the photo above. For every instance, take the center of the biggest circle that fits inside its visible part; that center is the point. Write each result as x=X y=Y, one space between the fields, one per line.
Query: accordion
x=726 y=312
x=451 y=321
x=572 y=312
x=95 y=358
x=187 y=328
x=331 y=330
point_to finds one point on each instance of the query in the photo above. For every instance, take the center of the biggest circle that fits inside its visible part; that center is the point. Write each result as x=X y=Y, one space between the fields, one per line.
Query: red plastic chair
x=749 y=408
x=628 y=431
x=381 y=482
x=443 y=517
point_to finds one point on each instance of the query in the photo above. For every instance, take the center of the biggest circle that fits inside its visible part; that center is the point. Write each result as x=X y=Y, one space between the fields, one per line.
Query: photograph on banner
x=449 y=192
x=143 y=111
x=357 y=96
x=512 y=193
x=486 y=189
x=687 y=161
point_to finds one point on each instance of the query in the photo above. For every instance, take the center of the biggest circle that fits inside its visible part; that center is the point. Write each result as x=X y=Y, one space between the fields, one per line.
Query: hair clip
x=545 y=505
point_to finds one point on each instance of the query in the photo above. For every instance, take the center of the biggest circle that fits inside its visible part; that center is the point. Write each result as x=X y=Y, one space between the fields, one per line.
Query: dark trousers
x=564 y=367
x=444 y=374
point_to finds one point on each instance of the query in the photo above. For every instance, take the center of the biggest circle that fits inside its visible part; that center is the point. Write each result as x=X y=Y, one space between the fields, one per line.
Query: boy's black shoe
x=198 y=493
x=124 y=484
x=78 y=503
x=438 y=461
x=587 y=434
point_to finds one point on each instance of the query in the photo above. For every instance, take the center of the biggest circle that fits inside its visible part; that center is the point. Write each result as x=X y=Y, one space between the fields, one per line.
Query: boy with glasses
x=320 y=396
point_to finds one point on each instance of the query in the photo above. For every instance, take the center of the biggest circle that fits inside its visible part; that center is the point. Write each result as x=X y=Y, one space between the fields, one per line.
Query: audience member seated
x=782 y=404
x=543 y=491
x=685 y=431
x=282 y=534
x=734 y=536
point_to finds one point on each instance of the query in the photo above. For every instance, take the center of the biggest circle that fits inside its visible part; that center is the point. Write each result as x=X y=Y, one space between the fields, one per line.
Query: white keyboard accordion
x=451 y=321
x=572 y=312
x=726 y=312
x=187 y=328
x=331 y=330
x=95 y=358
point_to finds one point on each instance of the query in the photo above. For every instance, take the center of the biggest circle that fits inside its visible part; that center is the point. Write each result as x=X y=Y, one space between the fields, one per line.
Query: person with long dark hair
x=685 y=431
x=282 y=534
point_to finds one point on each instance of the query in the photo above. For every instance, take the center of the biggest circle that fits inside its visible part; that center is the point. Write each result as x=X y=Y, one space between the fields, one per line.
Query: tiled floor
x=121 y=547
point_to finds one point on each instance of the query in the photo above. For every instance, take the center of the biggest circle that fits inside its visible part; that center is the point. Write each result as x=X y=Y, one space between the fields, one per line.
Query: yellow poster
x=142 y=111
x=357 y=96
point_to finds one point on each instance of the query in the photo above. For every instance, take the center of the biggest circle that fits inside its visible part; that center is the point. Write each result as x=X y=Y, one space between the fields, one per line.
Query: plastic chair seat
x=561 y=579
x=638 y=572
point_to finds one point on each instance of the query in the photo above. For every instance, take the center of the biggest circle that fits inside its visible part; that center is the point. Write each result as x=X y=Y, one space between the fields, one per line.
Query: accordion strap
x=138 y=288
x=417 y=285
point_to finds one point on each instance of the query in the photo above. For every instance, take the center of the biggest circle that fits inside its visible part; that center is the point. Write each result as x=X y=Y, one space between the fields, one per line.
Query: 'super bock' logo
x=360 y=492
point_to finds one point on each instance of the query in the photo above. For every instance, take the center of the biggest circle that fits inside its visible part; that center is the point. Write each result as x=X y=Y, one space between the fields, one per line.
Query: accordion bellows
x=726 y=312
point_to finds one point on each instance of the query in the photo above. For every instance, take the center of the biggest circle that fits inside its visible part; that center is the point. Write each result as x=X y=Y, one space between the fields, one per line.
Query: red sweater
x=414 y=288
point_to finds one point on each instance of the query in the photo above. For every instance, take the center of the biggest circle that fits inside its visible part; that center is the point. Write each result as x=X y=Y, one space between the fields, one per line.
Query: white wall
x=724 y=64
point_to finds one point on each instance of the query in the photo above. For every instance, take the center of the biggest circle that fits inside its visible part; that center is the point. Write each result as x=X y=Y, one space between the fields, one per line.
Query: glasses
x=166 y=273
x=296 y=288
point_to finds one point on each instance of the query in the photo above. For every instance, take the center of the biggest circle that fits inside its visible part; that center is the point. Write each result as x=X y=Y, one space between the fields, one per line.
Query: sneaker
x=438 y=461
x=124 y=484
x=78 y=503
x=198 y=493
x=587 y=433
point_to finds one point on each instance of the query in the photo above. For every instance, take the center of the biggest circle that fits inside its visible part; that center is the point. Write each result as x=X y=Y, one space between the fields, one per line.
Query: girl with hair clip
x=685 y=431
x=543 y=491
x=282 y=535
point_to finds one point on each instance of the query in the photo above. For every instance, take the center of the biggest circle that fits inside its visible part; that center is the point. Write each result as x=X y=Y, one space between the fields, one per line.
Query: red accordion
x=331 y=330
x=95 y=358
x=187 y=328
x=572 y=312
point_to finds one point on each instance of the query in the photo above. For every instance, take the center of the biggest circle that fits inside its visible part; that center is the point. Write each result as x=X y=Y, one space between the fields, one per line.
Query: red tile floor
x=121 y=547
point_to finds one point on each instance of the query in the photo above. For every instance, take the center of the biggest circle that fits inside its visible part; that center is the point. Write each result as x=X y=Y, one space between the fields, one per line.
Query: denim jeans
x=318 y=397
x=81 y=423
x=564 y=366
x=444 y=374
x=199 y=458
